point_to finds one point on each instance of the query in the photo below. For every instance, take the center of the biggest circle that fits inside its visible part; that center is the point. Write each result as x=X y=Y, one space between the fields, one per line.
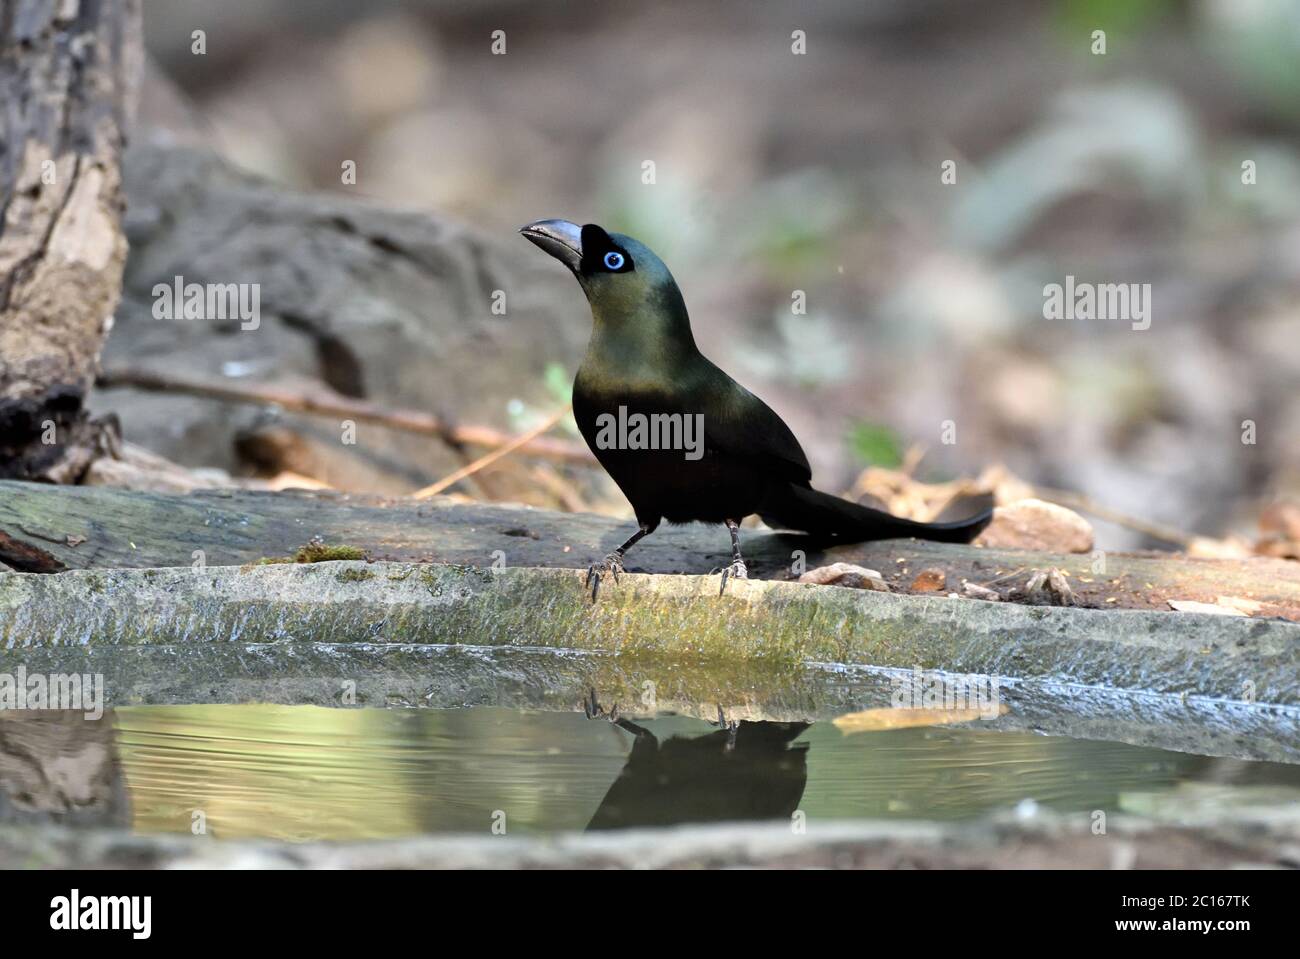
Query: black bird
x=642 y=359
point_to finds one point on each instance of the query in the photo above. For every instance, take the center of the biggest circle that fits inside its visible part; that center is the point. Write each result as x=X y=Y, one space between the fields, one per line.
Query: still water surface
x=306 y=773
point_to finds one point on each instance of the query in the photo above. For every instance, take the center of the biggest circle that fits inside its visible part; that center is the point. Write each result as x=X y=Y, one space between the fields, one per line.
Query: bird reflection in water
x=748 y=771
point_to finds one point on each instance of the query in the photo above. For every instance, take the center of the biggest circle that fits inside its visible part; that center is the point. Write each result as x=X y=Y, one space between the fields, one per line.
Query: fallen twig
x=1087 y=504
x=325 y=402
x=488 y=459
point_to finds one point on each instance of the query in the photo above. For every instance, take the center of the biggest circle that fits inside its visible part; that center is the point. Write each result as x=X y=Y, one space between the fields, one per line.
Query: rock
x=846 y=574
x=1035 y=524
x=240 y=526
x=388 y=306
x=1214 y=839
x=292 y=632
x=136 y=468
x=1229 y=547
x=1191 y=606
x=931 y=580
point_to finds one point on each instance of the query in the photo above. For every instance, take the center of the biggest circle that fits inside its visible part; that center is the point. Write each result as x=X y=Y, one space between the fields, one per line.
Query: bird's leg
x=613 y=563
x=592 y=707
x=731 y=726
x=594 y=710
x=737 y=568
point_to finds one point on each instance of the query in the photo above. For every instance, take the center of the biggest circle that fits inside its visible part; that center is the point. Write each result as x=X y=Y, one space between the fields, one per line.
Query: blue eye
x=613 y=261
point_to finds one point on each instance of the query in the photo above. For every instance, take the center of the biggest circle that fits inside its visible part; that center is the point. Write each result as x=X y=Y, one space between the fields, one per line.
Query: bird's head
x=620 y=275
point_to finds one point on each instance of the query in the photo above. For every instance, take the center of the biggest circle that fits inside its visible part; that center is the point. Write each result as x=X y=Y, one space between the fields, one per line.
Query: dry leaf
x=1247 y=606
x=929 y=581
x=1280 y=531
x=875 y=720
x=1038 y=525
x=289 y=480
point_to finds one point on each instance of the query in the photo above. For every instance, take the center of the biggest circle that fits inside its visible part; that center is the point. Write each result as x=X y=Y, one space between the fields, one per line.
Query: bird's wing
x=738 y=423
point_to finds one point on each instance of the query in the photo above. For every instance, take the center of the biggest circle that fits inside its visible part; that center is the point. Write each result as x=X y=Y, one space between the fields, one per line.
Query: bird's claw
x=594 y=709
x=612 y=564
x=736 y=570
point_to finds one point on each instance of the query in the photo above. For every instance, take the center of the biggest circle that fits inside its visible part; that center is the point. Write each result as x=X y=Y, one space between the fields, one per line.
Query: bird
x=726 y=455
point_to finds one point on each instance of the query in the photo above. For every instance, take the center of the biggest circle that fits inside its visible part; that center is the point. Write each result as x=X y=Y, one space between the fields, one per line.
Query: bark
x=68 y=76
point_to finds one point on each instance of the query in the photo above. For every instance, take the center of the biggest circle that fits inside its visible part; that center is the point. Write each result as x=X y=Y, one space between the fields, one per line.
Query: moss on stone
x=354 y=576
x=321 y=553
x=313 y=552
x=676 y=620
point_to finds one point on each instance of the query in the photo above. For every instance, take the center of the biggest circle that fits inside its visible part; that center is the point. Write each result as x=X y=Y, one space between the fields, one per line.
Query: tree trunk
x=68 y=77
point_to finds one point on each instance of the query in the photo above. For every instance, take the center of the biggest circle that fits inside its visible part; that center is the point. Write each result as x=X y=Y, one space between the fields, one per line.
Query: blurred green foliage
x=1121 y=17
x=876 y=445
x=559 y=382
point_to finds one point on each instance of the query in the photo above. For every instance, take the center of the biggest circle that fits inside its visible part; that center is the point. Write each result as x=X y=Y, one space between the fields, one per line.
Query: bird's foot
x=736 y=570
x=595 y=710
x=730 y=725
x=611 y=564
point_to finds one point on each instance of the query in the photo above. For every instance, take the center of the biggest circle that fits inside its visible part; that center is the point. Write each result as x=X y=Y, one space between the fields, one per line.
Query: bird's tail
x=804 y=508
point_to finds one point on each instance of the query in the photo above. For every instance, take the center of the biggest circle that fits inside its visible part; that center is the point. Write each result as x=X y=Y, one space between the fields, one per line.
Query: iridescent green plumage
x=642 y=360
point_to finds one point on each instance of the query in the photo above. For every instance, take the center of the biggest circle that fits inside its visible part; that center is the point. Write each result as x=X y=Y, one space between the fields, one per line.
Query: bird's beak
x=560 y=238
